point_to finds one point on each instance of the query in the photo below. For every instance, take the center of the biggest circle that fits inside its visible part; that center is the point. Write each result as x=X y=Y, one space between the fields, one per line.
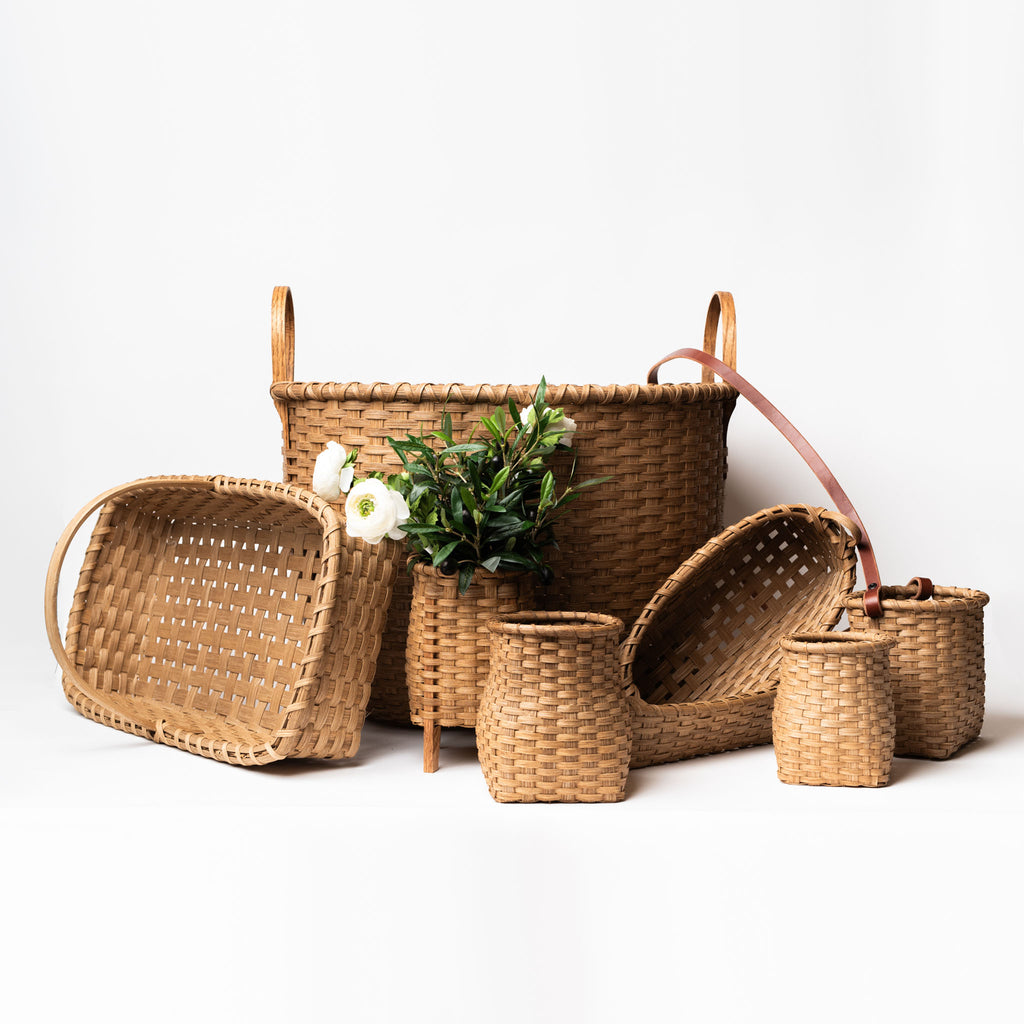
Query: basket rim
x=499 y=394
x=555 y=624
x=943 y=599
x=819 y=641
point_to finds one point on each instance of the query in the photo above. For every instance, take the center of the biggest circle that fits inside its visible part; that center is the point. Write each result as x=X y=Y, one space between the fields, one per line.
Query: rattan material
x=553 y=724
x=700 y=663
x=448 y=647
x=230 y=618
x=833 y=723
x=938 y=666
x=664 y=445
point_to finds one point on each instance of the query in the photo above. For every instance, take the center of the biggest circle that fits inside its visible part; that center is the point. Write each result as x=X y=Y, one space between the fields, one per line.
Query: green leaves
x=488 y=501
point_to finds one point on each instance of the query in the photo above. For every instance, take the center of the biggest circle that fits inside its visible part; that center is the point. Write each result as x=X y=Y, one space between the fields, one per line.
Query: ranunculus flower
x=330 y=474
x=566 y=424
x=373 y=511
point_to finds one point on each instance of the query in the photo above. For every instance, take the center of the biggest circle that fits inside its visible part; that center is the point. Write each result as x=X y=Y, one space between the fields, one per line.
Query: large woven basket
x=664 y=444
x=700 y=665
x=230 y=618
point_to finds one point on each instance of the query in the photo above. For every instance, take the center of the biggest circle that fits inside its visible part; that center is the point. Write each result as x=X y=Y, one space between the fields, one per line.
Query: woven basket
x=230 y=618
x=553 y=724
x=665 y=443
x=448 y=648
x=938 y=665
x=700 y=664
x=833 y=723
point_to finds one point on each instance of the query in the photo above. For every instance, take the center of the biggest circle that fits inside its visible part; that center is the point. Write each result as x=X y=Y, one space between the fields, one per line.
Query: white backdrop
x=487 y=192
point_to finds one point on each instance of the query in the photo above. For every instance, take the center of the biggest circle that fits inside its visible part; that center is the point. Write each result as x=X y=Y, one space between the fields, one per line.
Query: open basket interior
x=711 y=632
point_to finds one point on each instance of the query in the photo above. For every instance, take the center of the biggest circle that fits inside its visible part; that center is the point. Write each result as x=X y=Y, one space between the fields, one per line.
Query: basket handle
x=53 y=580
x=872 y=602
x=721 y=305
x=282 y=346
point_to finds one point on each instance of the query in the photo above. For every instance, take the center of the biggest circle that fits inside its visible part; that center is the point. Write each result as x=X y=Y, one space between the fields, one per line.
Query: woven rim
x=554 y=624
x=850 y=642
x=471 y=394
x=901 y=599
x=434 y=573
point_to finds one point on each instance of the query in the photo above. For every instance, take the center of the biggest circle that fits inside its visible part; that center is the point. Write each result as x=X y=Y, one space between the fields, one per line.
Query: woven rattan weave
x=448 y=647
x=230 y=618
x=833 y=723
x=700 y=663
x=553 y=724
x=664 y=444
x=938 y=665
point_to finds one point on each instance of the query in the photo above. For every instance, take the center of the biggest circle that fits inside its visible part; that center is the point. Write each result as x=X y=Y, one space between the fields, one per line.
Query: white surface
x=481 y=192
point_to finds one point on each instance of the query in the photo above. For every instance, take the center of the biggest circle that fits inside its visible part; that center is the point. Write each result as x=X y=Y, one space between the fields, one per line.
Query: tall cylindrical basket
x=553 y=724
x=833 y=722
x=448 y=647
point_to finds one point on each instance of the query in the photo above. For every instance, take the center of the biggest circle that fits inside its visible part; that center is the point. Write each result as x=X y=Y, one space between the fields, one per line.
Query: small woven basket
x=833 y=723
x=938 y=665
x=231 y=618
x=553 y=725
x=700 y=663
x=448 y=647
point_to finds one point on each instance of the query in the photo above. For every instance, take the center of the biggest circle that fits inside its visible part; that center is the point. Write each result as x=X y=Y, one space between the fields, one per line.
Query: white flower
x=330 y=474
x=567 y=425
x=374 y=512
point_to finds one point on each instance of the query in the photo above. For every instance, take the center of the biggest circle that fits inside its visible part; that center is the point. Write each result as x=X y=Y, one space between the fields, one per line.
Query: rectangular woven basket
x=230 y=618
x=663 y=443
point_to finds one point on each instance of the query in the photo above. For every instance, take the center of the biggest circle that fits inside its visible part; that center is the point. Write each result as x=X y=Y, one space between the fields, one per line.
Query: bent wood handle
x=53 y=581
x=722 y=306
x=872 y=602
x=282 y=346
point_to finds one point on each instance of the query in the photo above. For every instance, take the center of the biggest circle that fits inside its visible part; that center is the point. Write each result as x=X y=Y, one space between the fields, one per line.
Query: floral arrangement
x=489 y=503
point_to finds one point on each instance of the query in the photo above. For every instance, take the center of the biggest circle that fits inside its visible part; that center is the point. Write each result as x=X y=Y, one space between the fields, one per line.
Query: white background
x=487 y=192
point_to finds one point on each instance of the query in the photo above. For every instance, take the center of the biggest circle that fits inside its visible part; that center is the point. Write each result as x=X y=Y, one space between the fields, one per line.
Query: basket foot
x=431 y=746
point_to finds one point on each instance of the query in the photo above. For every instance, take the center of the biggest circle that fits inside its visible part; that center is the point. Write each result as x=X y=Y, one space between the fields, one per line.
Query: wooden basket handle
x=721 y=305
x=282 y=346
x=53 y=581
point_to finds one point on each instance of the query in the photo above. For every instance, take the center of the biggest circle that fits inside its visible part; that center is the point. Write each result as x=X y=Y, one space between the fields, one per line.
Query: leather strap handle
x=872 y=603
x=282 y=346
x=722 y=306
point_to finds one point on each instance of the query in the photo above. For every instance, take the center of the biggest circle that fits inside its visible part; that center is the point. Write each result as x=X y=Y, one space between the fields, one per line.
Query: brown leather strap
x=923 y=588
x=721 y=305
x=872 y=604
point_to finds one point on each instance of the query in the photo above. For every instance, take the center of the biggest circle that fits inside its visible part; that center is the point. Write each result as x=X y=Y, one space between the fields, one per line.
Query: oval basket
x=666 y=442
x=231 y=618
x=700 y=665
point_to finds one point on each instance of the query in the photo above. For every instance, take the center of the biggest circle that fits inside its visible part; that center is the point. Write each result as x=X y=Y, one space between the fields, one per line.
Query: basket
x=230 y=618
x=664 y=442
x=700 y=664
x=448 y=647
x=937 y=666
x=553 y=725
x=833 y=723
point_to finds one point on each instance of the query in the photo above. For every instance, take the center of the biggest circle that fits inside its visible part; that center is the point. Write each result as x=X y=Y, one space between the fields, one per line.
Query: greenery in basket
x=490 y=502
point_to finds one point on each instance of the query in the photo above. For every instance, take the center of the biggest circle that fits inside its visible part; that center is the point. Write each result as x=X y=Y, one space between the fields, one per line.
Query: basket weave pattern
x=448 y=647
x=664 y=445
x=700 y=662
x=230 y=618
x=833 y=722
x=553 y=723
x=938 y=666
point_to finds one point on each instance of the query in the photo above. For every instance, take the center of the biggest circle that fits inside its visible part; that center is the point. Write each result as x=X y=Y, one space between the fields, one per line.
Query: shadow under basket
x=231 y=618
x=701 y=663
